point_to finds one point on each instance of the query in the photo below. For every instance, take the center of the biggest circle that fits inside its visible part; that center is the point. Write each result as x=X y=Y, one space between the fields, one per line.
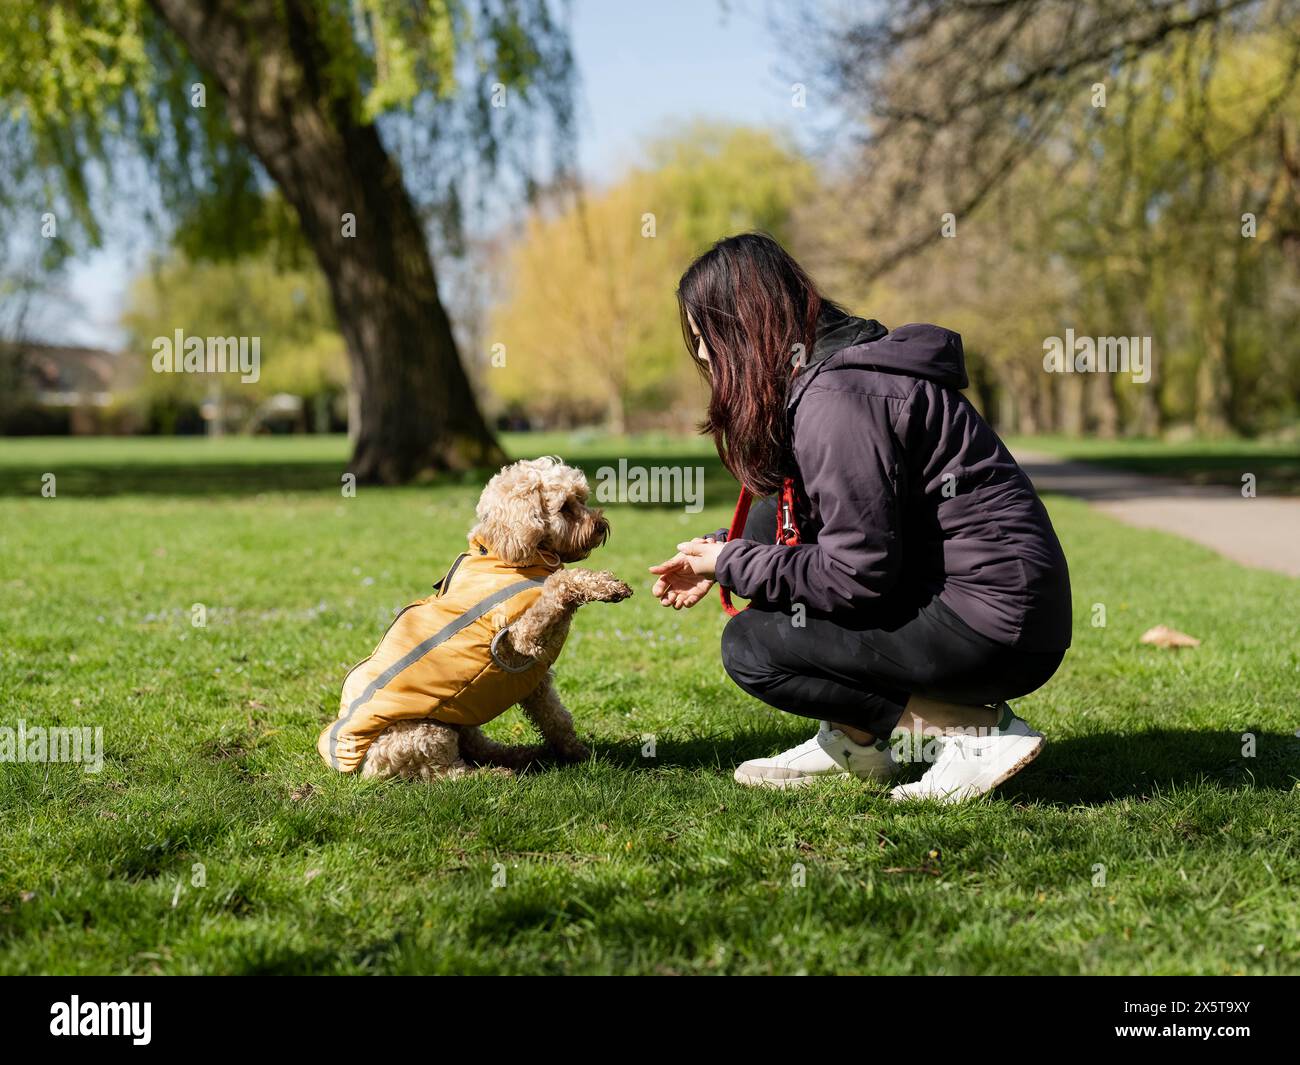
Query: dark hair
x=753 y=305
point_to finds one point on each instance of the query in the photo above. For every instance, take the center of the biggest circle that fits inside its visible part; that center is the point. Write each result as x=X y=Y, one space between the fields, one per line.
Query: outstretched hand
x=679 y=584
x=701 y=554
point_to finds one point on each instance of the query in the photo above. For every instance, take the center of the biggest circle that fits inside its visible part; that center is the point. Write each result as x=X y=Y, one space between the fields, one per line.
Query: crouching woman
x=911 y=578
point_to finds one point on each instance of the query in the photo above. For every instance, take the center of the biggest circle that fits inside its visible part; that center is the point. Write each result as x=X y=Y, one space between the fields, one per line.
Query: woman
x=928 y=586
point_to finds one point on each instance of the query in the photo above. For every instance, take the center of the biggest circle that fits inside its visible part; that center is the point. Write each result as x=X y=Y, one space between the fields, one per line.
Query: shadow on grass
x=291 y=473
x=1275 y=474
x=1101 y=768
x=90 y=479
x=1090 y=770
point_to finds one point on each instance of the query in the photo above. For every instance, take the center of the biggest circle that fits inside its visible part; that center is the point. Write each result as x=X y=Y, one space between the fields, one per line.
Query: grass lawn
x=215 y=840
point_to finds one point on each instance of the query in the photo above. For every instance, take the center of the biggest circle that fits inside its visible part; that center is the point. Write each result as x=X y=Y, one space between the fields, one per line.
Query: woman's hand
x=701 y=555
x=678 y=584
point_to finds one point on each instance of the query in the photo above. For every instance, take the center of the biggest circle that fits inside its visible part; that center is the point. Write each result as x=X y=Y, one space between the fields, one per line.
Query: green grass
x=1276 y=465
x=627 y=863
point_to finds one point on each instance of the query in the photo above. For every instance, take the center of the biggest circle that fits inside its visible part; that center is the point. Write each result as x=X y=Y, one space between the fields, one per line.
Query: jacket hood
x=916 y=350
x=836 y=332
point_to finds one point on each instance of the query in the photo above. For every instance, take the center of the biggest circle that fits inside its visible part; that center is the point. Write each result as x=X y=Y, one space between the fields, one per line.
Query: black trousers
x=861 y=670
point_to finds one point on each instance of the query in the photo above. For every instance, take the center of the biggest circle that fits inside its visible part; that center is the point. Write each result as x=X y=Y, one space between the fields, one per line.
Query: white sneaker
x=968 y=766
x=829 y=753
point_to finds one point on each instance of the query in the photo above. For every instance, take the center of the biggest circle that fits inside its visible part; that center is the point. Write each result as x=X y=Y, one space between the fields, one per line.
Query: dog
x=483 y=642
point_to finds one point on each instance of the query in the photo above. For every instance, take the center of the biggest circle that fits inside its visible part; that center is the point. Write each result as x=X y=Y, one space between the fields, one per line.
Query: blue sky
x=641 y=66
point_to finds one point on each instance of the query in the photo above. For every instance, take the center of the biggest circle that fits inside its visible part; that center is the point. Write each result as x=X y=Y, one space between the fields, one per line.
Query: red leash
x=787 y=531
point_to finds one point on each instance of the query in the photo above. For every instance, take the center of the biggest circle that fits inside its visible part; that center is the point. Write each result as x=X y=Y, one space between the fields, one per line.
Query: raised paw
x=605 y=588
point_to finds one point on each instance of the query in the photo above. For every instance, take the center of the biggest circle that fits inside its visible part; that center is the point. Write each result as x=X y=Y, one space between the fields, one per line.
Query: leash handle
x=737 y=527
x=787 y=530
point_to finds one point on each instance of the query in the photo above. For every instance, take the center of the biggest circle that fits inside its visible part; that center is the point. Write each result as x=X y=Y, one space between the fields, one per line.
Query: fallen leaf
x=1164 y=636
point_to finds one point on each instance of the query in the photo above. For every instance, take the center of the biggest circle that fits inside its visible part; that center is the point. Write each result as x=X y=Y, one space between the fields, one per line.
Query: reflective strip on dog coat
x=436 y=661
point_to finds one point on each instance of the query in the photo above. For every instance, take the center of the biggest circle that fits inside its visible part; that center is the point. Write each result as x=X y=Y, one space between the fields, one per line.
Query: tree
x=589 y=324
x=1097 y=164
x=583 y=330
x=315 y=91
x=256 y=295
x=956 y=97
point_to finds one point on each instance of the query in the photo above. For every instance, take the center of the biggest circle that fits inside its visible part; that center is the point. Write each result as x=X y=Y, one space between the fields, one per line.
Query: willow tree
x=375 y=119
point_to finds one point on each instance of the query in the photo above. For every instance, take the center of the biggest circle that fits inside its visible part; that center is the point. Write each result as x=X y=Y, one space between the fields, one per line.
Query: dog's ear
x=512 y=515
x=518 y=527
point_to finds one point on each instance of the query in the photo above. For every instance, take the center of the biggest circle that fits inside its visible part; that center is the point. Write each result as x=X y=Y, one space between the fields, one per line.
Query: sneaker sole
x=782 y=783
x=779 y=783
x=1028 y=757
x=1033 y=752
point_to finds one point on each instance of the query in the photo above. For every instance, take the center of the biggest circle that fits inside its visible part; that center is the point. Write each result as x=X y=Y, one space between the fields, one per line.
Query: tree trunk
x=983 y=385
x=1011 y=416
x=1071 y=404
x=1212 y=375
x=413 y=408
x=1104 y=404
x=1147 y=419
x=615 y=411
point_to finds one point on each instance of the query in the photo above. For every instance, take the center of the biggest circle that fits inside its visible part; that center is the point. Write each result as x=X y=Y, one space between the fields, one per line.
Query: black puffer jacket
x=909 y=493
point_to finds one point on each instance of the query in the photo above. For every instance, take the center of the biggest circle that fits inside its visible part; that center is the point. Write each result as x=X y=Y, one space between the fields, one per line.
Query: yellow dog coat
x=438 y=658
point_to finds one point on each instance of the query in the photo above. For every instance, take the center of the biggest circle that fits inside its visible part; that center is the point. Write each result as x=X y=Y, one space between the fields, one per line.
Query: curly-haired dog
x=485 y=641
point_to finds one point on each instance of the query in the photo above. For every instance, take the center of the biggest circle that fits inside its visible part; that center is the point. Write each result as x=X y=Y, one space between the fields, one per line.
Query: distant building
x=62 y=390
x=57 y=389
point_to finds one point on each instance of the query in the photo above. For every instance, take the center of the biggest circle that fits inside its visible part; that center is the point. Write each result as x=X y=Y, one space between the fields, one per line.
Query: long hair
x=757 y=310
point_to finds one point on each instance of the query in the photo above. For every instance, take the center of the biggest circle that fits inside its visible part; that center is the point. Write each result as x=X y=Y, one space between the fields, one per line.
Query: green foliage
x=1129 y=222
x=94 y=85
x=74 y=74
x=384 y=53
x=714 y=180
x=590 y=321
x=289 y=309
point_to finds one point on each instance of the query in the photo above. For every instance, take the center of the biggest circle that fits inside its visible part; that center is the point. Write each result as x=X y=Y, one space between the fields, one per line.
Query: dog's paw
x=606 y=588
x=572 y=752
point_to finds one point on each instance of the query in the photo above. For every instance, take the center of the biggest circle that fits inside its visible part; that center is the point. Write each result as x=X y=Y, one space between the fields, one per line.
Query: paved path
x=1263 y=532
